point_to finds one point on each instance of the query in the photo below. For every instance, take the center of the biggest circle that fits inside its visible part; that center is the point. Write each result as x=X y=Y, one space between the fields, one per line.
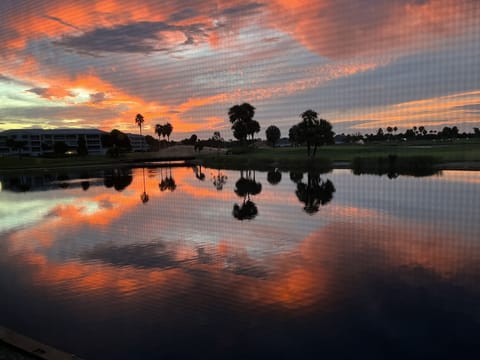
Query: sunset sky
x=361 y=64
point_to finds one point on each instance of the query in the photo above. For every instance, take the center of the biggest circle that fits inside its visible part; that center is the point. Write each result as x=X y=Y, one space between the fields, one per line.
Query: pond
x=193 y=262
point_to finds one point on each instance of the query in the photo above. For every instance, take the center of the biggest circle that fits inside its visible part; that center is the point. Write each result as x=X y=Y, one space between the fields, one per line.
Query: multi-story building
x=39 y=141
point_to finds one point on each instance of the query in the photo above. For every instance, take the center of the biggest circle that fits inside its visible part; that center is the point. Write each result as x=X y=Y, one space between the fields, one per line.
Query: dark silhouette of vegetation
x=241 y=116
x=315 y=192
x=312 y=132
x=164 y=130
x=273 y=134
x=85 y=185
x=296 y=176
x=60 y=148
x=116 y=142
x=198 y=172
x=219 y=180
x=63 y=180
x=144 y=196
x=18 y=184
x=393 y=166
x=139 y=120
x=192 y=140
x=447 y=133
x=119 y=178
x=274 y=177
x=245 y=187
x=153 y=144
x=167 y=182
x=82 y=149
x=246 y=211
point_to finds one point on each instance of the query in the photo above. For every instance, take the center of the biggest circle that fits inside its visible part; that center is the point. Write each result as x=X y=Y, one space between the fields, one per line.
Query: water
x=182 y=263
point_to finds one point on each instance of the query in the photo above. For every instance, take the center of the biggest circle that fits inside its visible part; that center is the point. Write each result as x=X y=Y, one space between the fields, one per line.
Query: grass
x=296 y=156
x=265 y=158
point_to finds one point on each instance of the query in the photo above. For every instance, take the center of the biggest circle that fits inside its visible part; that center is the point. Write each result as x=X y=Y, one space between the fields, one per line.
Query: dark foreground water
x=197 y=263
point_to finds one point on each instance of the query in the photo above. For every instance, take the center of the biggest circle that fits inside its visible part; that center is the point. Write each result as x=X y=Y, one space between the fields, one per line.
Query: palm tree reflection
x=167 y=182
x=245 y=187
x=274 y=177
x=119 y=178
x=315 y=192
x=219 y=180
x=198 y=172
x=144 y=196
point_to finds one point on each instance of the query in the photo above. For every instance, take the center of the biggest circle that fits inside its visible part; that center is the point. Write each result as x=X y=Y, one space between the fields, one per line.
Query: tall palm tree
x=139 y=120
x=168 y=128
x=159 y=130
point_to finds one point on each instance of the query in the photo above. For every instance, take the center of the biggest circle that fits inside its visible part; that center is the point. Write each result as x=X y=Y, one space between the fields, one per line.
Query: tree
x=245 y=187
x=217 y=136
x=312 y=131
x=139 y=120
x=273 y=134
x=274 y=177
x=116 y=141
x=159 y=130
x=60 y=148
x=389 y=130
x=119 y=178
x=241 y=117
x=240 y=131
x=167 y=130
x=315 y=192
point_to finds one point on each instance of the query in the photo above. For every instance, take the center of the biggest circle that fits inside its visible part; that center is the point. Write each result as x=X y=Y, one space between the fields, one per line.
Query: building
x=138 y=142
x=40 y=142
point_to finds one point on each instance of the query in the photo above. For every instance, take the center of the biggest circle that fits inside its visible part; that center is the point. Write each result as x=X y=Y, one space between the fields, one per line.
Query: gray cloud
x=97 y=97
x=141 y=37
x=153 y=255
x=474 y=108
x=5 y=78
x=248 y=9
x=60 y=21
x=38 y=91
x=184 y=14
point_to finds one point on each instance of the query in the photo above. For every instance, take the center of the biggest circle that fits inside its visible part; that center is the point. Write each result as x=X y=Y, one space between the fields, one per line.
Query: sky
x=361 y=64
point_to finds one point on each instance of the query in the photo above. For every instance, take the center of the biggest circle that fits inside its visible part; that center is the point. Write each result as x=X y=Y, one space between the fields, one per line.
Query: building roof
x=69 y=131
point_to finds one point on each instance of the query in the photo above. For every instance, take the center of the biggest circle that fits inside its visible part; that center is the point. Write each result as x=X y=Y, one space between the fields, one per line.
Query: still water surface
x=183 y=263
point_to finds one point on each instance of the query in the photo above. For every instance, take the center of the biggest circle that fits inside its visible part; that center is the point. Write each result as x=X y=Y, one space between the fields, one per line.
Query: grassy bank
x=266 y=158
x=295 y=157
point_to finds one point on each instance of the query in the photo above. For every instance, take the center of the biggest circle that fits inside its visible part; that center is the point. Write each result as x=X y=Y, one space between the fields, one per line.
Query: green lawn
x=296 y=157
x=461 y=151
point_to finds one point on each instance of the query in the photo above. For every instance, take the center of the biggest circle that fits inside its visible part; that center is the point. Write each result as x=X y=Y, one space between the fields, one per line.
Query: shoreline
x=175 y=162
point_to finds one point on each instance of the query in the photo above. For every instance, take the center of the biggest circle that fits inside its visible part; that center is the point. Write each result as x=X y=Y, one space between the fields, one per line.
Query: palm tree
x=139 y=120
x=159 y=130
x=167 y=129
x=241 y=116
x=312 y=131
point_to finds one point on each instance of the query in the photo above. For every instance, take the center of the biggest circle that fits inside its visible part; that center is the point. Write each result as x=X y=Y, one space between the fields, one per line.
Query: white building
x=138 y=142
x=40 y=141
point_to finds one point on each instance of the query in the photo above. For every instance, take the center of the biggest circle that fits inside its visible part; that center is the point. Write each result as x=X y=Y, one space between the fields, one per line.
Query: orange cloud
x=447 y=109
x=345 y=28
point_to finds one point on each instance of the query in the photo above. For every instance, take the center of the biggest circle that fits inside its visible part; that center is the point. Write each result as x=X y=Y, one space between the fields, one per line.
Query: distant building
x=138 y=142
x=283 y=142
x=40 y=141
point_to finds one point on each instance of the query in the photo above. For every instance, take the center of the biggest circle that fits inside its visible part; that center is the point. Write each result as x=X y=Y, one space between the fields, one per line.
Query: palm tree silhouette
x=315 y=192
x=139 y=120
x=245 y=187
